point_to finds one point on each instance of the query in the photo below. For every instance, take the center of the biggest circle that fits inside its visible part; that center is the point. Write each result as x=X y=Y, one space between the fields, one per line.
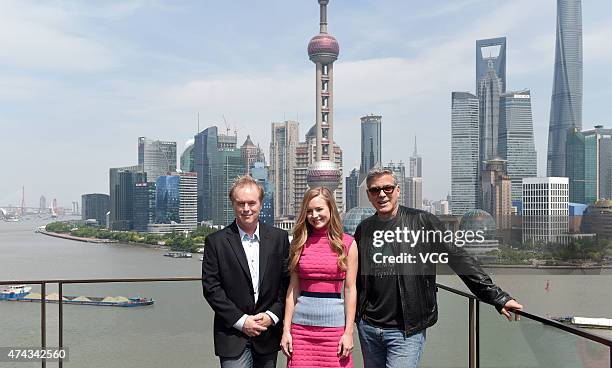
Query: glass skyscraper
x=187 y=160
x=167 y=199
x=491 y=52
x=464 y=152
x=259 y=172
x=516 y=143
x=489 y=92
x=352 y=186
x=371 y=148
x=123 y=180
x=94 y=206
x=574 y=165
x=144 y=206
x=204 y=150
x=156 y=157
x=589 y=164
x=566 y=101
x=226 y=166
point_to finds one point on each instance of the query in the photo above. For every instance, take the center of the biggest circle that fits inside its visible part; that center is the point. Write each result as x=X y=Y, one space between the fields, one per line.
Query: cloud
x=40 y=37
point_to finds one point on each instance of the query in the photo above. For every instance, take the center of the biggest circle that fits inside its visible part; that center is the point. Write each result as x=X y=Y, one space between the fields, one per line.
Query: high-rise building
x=228 y=140
x=495 y=195
x=441 y=207
x=589 y=164
x=121 y=212
x=260 y=172
x=545 y=209
x=42 y=204
x=516 y=142
x=416 y=169
x=305 y=155
x=399 y=170
x=574 y=165
x=187 y=159
x=167 y=199
x=352 y=184
x=226 y=166
x=371 y=147
x=491 y=52
x=188 y=192
x=123 y=180
x=250 y=154
x=598 y=163
x=205 y=149
x=176 y=203
x=156 y=157
x=323 y=50
x=566 y=101
x=413 y=192
x=95 y=206
x=285 y=139
x=489 y=92
x=464 y=152
x=144 y=206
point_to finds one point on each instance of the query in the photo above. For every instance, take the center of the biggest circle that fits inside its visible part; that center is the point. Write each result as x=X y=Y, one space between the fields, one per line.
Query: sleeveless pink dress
x=318 y=323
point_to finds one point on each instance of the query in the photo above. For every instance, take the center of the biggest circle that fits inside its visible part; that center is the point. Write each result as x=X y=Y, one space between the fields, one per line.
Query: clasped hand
x=255 y=325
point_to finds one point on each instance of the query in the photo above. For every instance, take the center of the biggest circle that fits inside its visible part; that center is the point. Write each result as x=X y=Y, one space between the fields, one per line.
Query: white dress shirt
x=251 y=249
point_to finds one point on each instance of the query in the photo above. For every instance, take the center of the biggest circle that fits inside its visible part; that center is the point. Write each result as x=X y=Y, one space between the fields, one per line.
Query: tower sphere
x=323 y=48
x=323 y=174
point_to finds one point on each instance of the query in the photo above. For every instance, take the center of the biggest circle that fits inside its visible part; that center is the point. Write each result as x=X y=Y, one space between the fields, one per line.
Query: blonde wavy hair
x=303 y=229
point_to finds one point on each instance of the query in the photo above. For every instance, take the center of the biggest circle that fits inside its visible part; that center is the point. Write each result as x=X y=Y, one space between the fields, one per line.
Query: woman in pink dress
x=318 y=324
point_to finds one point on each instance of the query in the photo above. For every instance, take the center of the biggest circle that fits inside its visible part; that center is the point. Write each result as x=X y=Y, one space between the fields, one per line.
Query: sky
x=81 y=81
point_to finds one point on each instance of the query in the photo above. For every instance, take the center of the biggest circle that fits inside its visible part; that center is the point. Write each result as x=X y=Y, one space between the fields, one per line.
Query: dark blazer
x=227 y=286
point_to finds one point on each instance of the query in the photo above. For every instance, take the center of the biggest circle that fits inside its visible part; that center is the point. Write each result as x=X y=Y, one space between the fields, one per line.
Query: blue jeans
x=389 y=348
x=250 y=359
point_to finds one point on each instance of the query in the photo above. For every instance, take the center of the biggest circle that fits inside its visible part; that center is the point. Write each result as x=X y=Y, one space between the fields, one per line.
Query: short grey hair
x=377 y=171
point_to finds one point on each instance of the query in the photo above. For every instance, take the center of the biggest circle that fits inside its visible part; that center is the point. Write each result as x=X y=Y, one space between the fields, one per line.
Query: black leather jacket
x=417 y=285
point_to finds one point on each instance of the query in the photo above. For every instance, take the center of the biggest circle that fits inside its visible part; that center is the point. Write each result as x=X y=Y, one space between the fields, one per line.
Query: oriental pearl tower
x=323 y=50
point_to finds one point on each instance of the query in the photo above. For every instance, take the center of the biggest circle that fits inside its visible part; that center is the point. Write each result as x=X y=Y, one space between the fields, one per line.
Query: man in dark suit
x=245 y=280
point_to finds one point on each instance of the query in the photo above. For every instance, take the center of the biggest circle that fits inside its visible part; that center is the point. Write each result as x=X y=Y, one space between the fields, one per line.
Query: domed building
x=479 y=220
x=597 y=218
x=354 y=216
x=476 y=220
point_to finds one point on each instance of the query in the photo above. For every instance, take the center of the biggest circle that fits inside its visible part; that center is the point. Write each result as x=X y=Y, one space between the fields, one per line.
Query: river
x=177 y=330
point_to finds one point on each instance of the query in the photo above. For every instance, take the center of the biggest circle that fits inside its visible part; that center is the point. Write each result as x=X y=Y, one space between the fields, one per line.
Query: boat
x=586 y=322
x=202 y=258
x=15 y=292
x=109 y=301
x=178 y=255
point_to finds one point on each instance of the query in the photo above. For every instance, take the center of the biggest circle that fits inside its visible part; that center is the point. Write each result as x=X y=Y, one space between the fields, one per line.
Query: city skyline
x=77 y=95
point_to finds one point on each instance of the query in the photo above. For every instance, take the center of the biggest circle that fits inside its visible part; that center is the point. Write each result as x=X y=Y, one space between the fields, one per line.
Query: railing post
x=474 y=332
x=43 y=320
x=61 y=321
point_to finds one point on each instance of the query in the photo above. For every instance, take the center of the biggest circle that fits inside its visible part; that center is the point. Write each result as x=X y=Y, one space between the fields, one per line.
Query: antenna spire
x=323 y=15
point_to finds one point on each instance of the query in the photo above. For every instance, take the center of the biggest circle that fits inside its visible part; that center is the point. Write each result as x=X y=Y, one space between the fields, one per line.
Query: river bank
x=41 y=230
x=100 y=241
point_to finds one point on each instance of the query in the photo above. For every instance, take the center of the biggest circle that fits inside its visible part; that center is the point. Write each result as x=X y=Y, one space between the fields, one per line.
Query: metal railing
x=473 y=313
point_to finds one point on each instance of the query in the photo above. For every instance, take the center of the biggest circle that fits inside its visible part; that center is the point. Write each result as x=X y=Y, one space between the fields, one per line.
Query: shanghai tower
x=566 y=102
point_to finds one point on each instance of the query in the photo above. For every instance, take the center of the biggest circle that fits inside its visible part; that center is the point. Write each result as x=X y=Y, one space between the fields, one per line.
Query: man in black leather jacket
x=397 y=287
